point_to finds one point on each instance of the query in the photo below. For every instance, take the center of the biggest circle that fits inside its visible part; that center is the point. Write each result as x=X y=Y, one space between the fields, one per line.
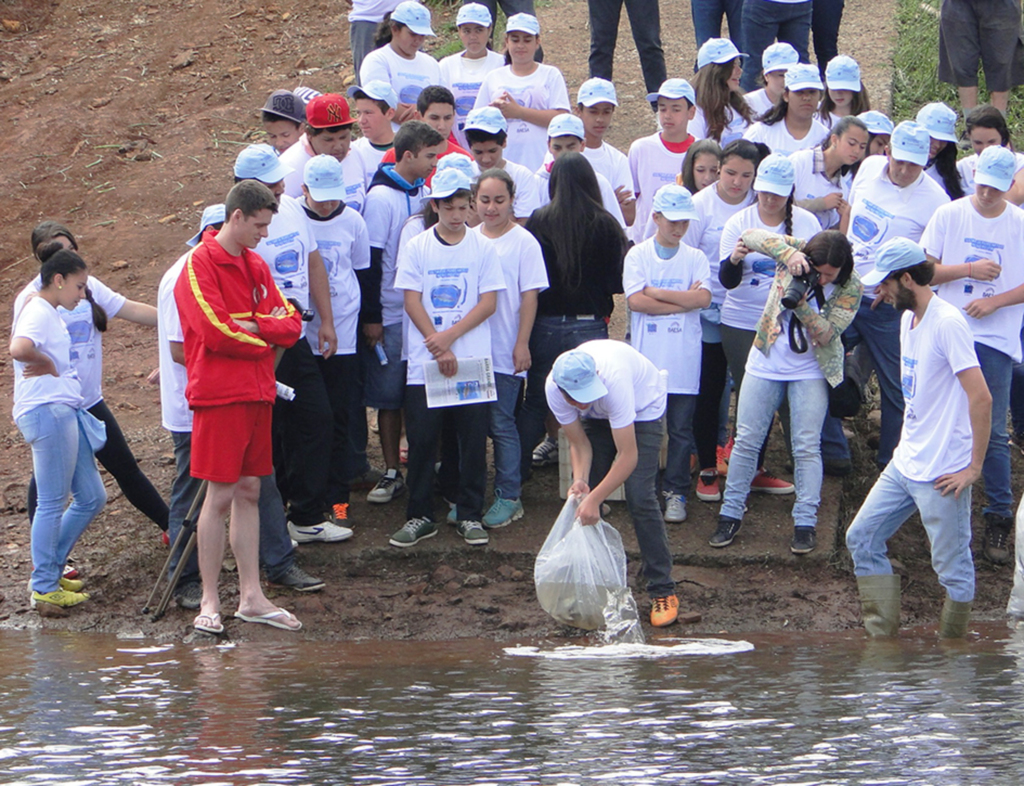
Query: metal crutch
x=187 y=531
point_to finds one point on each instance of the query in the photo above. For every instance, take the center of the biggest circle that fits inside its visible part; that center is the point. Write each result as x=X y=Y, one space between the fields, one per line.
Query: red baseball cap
x=328 y=110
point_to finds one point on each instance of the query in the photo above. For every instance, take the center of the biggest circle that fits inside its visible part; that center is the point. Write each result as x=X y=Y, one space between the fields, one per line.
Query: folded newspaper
x=473 y=383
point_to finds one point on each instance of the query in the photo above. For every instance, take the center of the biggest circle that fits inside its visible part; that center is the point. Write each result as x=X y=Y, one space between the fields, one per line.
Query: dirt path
x=123 y=119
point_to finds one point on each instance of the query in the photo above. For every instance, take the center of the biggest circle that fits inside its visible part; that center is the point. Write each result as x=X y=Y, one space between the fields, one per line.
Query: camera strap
x=797 y=336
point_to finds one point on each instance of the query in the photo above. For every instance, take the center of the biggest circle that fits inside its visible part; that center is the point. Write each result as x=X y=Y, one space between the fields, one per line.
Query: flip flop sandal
x=275 y=619
x=208 y=623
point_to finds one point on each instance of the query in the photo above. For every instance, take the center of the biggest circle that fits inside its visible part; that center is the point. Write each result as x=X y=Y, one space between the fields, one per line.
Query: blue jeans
x=641 y=497
x=879 y=330
x=946 y=520
x=707 y=20
x=63 y=463
x=763 y=23
x=679 y=423
x=551 y=337
x=505 y=437
x=997 y=368
x=759 y=398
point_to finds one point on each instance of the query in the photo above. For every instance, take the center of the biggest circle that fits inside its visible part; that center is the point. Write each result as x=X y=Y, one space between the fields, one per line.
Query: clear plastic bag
x=1015 y=607
x=580 y=576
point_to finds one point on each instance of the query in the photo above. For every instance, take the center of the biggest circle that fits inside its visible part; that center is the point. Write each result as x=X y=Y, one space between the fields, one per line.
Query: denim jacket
x=825 y=328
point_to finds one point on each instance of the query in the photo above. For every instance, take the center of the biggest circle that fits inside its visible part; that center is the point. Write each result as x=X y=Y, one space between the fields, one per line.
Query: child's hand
x=438 y=343
x=507 y=104
x=447 y=363
x=521 y=357
x=624 y=195
x=406 y=112
x=739 y=253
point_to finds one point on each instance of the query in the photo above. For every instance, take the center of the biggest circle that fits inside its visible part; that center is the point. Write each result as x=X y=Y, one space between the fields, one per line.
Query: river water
x=80 y=709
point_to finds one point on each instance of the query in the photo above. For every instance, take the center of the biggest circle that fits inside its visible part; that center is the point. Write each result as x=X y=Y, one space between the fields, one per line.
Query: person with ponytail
x=86 y=324
x=823 y=174
x=940 y=121
x=49 y=411
x=722 y=112
x=791 y=124
x=747 y=276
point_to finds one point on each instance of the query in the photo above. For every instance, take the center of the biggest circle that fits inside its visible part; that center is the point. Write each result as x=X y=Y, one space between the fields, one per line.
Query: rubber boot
x=880 y=604
x=955 y=616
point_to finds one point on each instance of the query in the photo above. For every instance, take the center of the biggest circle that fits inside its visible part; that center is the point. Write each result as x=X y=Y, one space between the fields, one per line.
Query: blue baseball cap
x=446 y=182
x=675 y=203
x=877 y=122
x=377 y=90
x=523 y=23
x=717 y=50
x=843 y=73
x=899 y=253
x=778 y=57
x=801 y=76
x=566 y=125
x=910 y=142
x=940 y=121
x=488 y=119
x=674 y=89
x=576 y=373
x=474 y=14
x=995 y=168
x=324 y=178
x=596 y=91
x=212 y=214
x=775 y=175
x=456 y=161
x=260 y=162
x=415 y=16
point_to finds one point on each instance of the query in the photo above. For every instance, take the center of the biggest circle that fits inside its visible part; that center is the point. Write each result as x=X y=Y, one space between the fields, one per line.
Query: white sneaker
x=675 y=508
x=387 y=488
x=324 y=532
x=546 y=453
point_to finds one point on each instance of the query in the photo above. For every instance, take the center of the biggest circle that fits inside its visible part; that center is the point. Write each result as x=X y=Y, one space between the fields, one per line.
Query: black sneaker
x=805 y=540
x=995 y=546
x=295 y=578
x=726 y=532
x=189 y=595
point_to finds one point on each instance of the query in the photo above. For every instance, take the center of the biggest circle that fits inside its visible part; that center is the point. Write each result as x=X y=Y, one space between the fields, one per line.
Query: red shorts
x=232 y=441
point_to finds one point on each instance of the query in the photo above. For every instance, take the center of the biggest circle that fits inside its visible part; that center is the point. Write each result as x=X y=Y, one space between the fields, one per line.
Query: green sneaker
x=472 y=532
x=503 y=512
x=63 y=598
x=413 y=532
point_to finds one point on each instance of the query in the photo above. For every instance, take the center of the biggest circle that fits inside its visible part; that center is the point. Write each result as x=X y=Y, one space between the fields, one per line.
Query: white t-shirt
x=705 y=232
x=936 y=436
x=958 y=234
x=782 y=364
x=522 y=265
x=352 y=173
x=286 y=250
x=651 y=165
x=759 y=101
x=965 y=168
x=371 y=10
x=671 y=341
x=735 y=125
x=636 y=388
x=780 y=141
x=743 y=305
x=543 y=89
x=527 y=198
x=608 y=198
x=814 y=185
x=451 y=280
x=39 y=322
x=174 y=409
x=345 y=248
x=612 y=163
x=86 y=340
x=880 y=210
x=463 y=77
x=407 y=77
x=386 y=212
x=369 y=159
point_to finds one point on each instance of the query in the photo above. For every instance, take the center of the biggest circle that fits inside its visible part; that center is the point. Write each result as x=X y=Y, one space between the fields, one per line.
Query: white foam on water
x=649 y=651
x=147 y=650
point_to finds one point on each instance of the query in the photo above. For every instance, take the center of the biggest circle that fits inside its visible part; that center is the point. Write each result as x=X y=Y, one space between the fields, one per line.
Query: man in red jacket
x=233 y=319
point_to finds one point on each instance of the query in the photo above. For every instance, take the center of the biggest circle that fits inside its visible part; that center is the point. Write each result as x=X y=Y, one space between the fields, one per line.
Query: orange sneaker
x=707 y=486
x=766 y=483
x=664 y=611
x=722 y=453
x=340 y=511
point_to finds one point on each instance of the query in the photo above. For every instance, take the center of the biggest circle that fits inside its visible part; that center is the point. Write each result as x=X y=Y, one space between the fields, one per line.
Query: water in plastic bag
x=1015 y=608
x=580 y=576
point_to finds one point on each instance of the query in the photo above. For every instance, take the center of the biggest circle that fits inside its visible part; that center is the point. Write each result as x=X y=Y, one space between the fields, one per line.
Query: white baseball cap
x=597 y=91
x=940 y=121
x=415 y=16
x=260 y=162
x=674 y=89
x=717 y=50
x=488 y=119
x=778 y=57
x=910 y=142
x=898 y=253
x=212 y=214
x=377 y=90
x=457 y=161
x=575 y=372
x=995 y=168
x=324 y=178
x=523 y=23
x=566 y=125
x=775 y=175
x=447 y=182
x=675 y=203
x=474 y=14
x=801 y=76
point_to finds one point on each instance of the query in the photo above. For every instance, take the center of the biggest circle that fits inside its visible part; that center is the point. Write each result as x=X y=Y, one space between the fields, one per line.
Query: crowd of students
x=481 y=214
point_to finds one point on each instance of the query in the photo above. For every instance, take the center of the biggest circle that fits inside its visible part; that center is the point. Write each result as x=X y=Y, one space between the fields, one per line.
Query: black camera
x=307 y=314
x=799 y=287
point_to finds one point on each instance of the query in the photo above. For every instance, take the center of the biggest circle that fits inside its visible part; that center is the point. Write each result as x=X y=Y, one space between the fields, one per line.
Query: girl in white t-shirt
x=48 y=409
x=522 y=263
x=86 y=324
x=529 y=94
x=824 y=191
x=701 y=166
x=722 y=113
x=940 y=121
x=791 y=124
x=774 y=61
x=986 y=127
x=464 y=72
x=845 y=93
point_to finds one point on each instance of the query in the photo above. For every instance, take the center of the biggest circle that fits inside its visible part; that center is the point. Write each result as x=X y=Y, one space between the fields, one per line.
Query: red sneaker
x=707 y=486
x=165 y=538
x=766 y=483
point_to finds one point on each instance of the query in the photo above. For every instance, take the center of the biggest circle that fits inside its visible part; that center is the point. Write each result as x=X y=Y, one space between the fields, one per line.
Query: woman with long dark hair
x=940 y=121
x=722 y=112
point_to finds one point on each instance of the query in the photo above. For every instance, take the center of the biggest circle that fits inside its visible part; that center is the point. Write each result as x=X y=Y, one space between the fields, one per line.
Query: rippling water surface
x=79 y=709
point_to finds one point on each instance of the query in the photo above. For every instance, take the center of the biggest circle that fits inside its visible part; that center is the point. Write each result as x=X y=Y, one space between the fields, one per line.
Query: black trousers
x=645 y=20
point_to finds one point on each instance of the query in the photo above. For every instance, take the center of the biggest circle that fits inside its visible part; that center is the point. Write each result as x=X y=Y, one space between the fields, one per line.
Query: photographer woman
x=783 y=365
